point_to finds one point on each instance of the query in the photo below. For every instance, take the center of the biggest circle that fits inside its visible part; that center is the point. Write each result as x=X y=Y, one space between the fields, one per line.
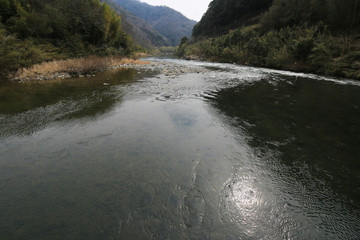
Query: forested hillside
x=223 y=15
x=339 y=15
x=168 y=22
x=140 y=31
x=33 y=31
x=321 y=36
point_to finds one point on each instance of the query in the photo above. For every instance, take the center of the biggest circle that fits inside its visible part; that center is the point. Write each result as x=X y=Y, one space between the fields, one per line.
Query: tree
x=4 y=10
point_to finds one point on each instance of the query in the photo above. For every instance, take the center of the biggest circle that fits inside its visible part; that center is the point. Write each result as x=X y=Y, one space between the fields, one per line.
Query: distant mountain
x=141 y=32
x=168 y=22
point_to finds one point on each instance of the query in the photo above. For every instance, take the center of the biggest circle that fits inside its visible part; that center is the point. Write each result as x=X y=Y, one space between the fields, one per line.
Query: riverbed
x=181 y=150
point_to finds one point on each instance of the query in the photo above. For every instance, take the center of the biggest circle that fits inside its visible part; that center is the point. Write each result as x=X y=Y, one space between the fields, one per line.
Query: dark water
x=232 y=153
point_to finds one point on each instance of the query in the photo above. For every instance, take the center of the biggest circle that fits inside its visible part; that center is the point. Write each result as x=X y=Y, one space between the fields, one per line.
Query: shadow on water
x=314 y=125
x=29 y=106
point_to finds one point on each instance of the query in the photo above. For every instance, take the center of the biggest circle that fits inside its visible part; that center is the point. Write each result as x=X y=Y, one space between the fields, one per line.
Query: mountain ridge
x=168 y=22
x=142 y=32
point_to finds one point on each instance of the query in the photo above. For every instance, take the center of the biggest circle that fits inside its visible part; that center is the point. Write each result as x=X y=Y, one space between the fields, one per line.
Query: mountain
x=223 y=15
x=168 y=22
x=141 y=32
x=318 y=36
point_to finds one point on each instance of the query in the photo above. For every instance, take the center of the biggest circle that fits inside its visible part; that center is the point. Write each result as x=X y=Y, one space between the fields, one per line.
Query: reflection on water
x=305 y=133
x=19 y=97
x=314 y=125
x=29 y=106
x=227 y=154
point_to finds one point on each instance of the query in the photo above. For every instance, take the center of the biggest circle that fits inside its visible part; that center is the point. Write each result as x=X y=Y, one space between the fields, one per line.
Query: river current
x=229 y=152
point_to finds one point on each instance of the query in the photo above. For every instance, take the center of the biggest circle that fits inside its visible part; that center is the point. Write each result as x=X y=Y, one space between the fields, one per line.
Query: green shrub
x=321 y=57
x=303 y=48
x=279 y=57
x=313 y=48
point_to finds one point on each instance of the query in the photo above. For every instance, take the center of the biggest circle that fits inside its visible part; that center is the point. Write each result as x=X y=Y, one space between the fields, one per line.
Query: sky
x=193 y=9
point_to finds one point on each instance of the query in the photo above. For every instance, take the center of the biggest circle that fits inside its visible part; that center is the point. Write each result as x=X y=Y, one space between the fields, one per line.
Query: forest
x=34 y=31
x=319 y=36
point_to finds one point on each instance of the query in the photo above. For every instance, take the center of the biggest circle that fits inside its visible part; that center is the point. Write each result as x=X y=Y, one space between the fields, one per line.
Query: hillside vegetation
x=140 y=31
x=33 y=31
x=168 y=22
x=223 y=15
x=320 y=36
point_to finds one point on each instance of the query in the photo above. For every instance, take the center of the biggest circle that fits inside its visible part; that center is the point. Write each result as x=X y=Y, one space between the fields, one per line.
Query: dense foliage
x=321 y=36
x=338 y=15
x=168 y=22
x=223 y=15
x=36 y=30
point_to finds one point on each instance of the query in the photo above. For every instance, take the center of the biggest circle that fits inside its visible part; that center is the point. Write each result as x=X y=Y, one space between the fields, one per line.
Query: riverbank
x=299 y=49
x=85 y=66
x=89 y=66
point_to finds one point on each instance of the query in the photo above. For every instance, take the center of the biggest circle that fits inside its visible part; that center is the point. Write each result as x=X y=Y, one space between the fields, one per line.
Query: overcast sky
x=193 y=9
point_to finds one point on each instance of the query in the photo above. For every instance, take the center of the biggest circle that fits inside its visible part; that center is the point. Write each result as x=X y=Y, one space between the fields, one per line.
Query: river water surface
x=229 y=152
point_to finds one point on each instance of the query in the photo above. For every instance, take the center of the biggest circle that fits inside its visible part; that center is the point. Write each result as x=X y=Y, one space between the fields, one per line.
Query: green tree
x=4 y=10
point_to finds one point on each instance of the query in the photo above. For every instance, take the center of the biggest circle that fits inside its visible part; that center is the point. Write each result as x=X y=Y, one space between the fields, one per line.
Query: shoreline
x=77 y=67
x=89 y=66
x=291 y=67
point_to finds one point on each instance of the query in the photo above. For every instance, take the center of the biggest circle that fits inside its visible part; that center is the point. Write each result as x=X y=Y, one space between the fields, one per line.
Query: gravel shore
x=168 y=69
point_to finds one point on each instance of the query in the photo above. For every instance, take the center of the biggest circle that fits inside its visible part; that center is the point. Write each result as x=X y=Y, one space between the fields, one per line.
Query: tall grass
x=83 y=65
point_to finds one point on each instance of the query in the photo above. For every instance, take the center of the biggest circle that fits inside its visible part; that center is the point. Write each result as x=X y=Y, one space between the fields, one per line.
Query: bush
x=279 y=57
x=303 y=48
x=321 y=57
x=299 y=48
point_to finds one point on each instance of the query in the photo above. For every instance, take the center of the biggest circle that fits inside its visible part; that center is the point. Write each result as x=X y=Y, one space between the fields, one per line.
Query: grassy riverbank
x=306 y=49
x=72 y=67
x=37 y=31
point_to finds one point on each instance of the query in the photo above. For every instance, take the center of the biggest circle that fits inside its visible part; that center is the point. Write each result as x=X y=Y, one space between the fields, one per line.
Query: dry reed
x=77 y=66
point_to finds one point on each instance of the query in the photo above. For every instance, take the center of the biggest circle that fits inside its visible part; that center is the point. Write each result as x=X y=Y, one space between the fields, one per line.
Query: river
x=228 y=152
